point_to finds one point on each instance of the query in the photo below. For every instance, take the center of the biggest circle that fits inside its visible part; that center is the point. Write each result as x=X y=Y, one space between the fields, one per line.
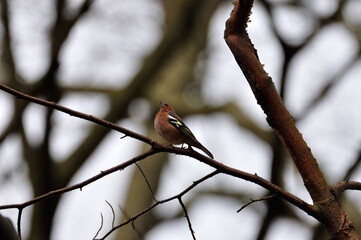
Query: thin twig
x=146 y=180
x=187 y=217
x=100 y=228
x=255 y=200
x=132 y=219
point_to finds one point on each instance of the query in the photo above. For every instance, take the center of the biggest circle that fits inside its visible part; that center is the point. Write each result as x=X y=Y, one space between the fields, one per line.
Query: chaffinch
x=172 y=129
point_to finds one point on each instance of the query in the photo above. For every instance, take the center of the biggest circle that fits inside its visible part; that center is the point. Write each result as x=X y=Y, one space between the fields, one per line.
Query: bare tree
x=175 y=68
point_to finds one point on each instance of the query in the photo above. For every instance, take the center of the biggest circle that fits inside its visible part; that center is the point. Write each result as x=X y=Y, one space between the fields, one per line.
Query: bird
x=172 y=129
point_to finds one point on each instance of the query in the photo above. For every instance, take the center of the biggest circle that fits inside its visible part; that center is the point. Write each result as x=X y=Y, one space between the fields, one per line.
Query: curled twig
x=111 y=207
x=100 y=228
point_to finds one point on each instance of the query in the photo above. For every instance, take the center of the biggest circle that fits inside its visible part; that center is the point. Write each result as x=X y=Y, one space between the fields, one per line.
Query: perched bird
x=172 y=129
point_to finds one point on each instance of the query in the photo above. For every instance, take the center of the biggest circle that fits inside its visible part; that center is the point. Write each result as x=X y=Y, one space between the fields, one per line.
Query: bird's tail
x=205 y=150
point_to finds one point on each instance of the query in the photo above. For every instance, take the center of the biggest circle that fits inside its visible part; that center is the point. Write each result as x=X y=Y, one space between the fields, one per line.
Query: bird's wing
x=177 y=122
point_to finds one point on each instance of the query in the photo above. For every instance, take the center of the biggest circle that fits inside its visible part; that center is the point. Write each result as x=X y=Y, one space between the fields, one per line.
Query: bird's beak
x=162 y=104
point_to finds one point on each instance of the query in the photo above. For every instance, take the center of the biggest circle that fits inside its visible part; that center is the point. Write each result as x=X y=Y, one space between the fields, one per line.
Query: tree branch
x=267 y=97
x=156 y=147
x=283 y=123
x=346 y=185
x=77 y=114
x=82 y=184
